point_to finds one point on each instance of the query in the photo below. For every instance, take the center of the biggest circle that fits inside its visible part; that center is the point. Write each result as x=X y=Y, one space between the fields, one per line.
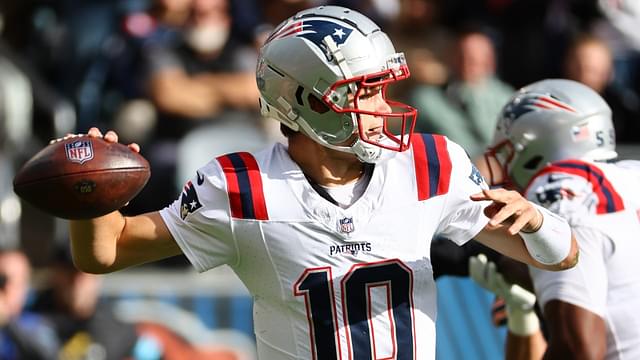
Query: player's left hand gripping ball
x=81 y=177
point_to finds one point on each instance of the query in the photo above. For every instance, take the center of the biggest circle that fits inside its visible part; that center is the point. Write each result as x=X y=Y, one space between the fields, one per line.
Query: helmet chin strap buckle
x=365 y=152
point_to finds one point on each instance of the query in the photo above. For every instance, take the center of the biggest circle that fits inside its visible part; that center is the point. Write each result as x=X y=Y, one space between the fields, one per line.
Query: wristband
x=551 y=243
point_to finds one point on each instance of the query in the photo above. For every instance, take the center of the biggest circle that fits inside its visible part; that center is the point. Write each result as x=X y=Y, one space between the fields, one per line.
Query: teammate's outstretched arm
x=113 y=242
x=526 y=232
x=524 y=339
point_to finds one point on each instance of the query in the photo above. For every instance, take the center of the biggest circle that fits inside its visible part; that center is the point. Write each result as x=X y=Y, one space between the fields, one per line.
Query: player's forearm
x=530 y=347
x=94 y=242
x=236 y=90
x=569 y=261
x=551 y=243
x=193 y=98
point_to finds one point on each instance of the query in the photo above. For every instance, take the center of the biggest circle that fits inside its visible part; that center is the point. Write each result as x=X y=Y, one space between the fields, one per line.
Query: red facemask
x=398 y=124
x=496 y=160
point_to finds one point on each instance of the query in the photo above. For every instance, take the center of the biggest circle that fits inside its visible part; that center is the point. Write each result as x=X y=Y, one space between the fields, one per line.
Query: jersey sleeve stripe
x=609 y=201
x=257 y=193
x=445 y=164
x=244 y=185
x=432 y=164
x=232 y=186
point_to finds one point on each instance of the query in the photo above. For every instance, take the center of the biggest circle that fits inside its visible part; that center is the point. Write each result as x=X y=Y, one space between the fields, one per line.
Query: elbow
x=91 y=266
x=570 y=261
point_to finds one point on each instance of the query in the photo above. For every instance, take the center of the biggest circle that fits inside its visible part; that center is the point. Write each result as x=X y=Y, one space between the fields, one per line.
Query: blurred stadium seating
x=214 y=307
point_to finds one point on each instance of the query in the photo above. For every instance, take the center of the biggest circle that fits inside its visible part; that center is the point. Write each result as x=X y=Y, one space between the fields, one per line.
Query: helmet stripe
x=244 y=186
x=556 y=103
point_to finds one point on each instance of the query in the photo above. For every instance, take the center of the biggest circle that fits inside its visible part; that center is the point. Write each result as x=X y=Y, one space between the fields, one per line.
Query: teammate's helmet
x=551 y=120
x=314 y=68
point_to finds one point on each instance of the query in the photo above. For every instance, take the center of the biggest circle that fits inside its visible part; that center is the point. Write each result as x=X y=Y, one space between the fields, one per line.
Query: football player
x=555 y=142
x=331 y=234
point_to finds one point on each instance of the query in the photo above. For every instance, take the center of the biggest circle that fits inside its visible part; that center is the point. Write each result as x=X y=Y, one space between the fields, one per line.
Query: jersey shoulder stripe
x=244 y=185
x=432 y=164
x=609 y=201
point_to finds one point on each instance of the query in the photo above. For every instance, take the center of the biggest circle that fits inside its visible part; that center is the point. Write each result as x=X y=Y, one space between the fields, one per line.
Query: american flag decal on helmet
x=533 y=102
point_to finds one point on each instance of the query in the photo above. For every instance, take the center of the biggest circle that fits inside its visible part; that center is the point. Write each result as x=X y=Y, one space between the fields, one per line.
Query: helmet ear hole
x=299 y=92
x=317 y=105
x=533 y=163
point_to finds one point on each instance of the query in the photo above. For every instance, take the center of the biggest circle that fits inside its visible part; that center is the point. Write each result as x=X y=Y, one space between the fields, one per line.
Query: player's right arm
x=113 y=241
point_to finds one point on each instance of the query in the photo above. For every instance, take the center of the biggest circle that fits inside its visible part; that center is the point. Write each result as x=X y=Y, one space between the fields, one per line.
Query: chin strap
x=366 y=153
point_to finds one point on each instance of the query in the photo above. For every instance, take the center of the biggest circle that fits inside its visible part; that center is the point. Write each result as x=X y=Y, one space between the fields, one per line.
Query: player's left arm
x=517 y=228
x=574 y=332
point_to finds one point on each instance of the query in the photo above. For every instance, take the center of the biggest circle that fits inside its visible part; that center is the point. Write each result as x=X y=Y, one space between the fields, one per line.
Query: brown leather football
x=82 y=177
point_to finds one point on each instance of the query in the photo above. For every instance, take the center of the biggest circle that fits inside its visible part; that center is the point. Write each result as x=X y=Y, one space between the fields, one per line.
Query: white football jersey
x=601 y=201
x=328 y=282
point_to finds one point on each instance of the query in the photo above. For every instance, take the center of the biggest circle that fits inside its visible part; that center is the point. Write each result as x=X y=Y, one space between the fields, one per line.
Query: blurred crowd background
x=177 y=77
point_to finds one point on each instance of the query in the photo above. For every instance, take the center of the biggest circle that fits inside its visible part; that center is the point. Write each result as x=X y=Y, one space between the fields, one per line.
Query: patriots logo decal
x=533 y=102
x=189 y=201
x=475 y=175
x=314 y=31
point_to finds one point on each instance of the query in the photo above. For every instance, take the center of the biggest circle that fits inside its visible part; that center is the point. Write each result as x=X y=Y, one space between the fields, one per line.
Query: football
x=82 y=177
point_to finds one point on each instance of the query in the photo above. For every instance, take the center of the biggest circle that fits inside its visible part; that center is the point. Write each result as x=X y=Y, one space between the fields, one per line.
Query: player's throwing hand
x=509 y=208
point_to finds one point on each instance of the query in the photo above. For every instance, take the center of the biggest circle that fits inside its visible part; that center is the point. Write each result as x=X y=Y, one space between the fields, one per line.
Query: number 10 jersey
x=328 y=282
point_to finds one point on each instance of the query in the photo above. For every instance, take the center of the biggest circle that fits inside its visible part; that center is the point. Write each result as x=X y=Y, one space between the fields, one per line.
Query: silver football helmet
x=547 y=121
x=313 y=70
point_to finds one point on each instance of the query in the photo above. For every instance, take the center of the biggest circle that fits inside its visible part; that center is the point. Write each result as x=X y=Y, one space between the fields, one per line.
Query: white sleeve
x=462 y=218
x=199 y=220
x=586 y=284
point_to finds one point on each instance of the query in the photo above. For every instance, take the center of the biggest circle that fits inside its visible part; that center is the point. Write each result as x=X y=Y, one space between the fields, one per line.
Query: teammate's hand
x=521 y=317
x=111 y=136
x=486 y=274
x=509 y=208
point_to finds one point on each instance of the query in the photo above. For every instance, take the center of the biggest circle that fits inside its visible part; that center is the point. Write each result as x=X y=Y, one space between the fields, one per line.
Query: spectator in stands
x=159 y=26
x=23 y=334
x=417 y=29
x=204 y=82
x=86 y=328
x=619 y=30
x=590 y=62
x=170 y=13
x=199 y=78
x=466 y=106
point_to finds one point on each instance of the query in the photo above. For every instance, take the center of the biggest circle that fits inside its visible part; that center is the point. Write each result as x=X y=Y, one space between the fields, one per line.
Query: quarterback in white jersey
x=562 y=134
x=331 y=234
x=324 y=269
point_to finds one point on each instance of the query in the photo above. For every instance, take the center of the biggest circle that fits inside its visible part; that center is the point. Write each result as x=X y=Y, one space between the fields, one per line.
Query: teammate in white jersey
x=331 y=234
x=555 y=141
